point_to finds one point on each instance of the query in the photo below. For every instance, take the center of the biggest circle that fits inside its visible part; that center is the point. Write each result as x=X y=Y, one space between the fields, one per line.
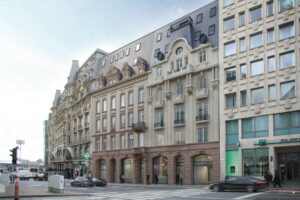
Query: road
x=153 y=192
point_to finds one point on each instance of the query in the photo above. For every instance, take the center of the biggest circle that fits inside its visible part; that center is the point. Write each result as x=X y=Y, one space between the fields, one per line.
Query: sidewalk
x=289 y=187
x=27 y=191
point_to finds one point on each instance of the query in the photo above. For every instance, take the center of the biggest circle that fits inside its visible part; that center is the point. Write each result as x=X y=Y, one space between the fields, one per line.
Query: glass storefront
x=127 y=169
x=202 y=169
x=232 y=161
x=255 y=161
x=160 y=168
x=289 y=165
x=102 y=169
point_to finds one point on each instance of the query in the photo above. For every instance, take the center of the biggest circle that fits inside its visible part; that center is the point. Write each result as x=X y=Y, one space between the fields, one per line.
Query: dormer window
x=103 y=62
x=116 y=57
x=112 y=59
x=127 y=52
x=121 y=54
x=179 y=50
x=134 y=61
x=158 y=37
x=138 y=47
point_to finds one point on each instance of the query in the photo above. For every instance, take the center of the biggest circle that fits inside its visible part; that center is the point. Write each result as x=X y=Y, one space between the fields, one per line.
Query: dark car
x=247 y=183
x=99 y=182
x=81 y=181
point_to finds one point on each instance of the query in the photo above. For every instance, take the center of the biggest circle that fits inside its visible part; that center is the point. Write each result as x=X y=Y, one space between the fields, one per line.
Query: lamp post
x=20 y=142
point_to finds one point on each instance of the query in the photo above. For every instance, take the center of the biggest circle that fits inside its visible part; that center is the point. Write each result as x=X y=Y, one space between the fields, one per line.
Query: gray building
x=46 y=146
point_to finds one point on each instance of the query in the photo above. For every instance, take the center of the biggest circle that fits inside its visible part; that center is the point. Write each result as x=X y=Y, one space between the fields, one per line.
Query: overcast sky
x=40 y=38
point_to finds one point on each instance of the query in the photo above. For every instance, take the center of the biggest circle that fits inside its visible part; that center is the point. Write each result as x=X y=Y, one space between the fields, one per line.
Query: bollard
x=17 y=189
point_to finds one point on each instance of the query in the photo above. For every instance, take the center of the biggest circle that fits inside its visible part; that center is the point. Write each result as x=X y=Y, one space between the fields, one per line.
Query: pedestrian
x=270 y=177
x=123 y=178
x=277 y=180
x=177 y=179
x=156 y=179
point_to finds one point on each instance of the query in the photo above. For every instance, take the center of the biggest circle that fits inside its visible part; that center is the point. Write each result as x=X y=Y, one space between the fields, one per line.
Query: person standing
x=277 y=180
x=156 y=179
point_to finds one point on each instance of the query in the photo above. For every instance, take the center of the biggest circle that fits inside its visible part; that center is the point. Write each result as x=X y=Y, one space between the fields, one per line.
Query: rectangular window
x=179 y=115
x=158 y=119
x=287 y=123
x=113 y=142
x=211 y=29
x=201 y=83
x=213 y=11
x=122 y=100
x=104 y=124
x=228 y=2
x=127 y=52
x=270 y=8
x=141 y=116
x=256 y=40
x=113 y=103
x=168 y=33
x=285 y=5
x=130 y=119
x=98 y=107
x=271 y=35
x=98 y=125
x=202 y=56
x=228 y=24
x=202 y=134
x=232 y=134
x=97 y=144
x=287 y=60
x=230 y=74
x=141 y=139
x=243 y=71
x=122 y=120
x=199 y=18
x=271 y=64
x=104 y=142
x=242 y=19
x=122 y=142
x=229 y=48
x=255 y=127
x=113 y=122
x=243 y=100
x=272 y=92
x=167 y=48
x=197 y=35
x=104 y=105
x=158 y=71
x=257 y=95
x=287 y=90
x=255 y=14
x=130 y=140
x=255 y=161
x=286 y=31
x=130 y=98
x=158 y=37
x=122 y=54
x=202 y=111
x=257 y=67
x=156 y=52
x=116 y=57
x=103 y=62
x=242 y=44
x=138 y=47
x=230 y=100
x=141 y=95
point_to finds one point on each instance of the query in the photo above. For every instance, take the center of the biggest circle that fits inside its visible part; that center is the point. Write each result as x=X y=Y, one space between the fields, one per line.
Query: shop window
x=255 y=161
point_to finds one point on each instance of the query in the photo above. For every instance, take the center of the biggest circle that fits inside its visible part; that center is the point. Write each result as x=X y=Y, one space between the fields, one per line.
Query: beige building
x=69 y=123
x=259 y=88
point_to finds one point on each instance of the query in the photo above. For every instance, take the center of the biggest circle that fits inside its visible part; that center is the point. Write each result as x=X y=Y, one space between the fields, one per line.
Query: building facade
x=155 y=110
x=46 y=146
x=259 y=88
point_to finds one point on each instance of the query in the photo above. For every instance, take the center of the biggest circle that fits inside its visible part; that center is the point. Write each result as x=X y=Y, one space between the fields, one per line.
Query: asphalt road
x=129 y=192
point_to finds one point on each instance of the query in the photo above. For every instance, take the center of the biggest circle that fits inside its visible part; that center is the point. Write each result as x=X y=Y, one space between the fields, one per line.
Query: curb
x=45 y=195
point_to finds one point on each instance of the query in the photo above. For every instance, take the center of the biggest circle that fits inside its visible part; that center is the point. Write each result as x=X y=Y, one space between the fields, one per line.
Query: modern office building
x=259 y=87
x=148 y=109
x=155 y=110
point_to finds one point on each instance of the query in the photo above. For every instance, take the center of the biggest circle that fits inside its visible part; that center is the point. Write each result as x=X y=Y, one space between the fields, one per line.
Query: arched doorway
x=180 y=167
x=127 y=169
x=102 y=169
x=113 y=170
x=160 y=168
x=202 y=169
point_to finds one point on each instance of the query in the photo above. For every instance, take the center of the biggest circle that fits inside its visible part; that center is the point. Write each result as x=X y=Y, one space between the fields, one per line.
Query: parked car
x=99 y=182
x=82 y=181
x=247 y=183
x=23 y=174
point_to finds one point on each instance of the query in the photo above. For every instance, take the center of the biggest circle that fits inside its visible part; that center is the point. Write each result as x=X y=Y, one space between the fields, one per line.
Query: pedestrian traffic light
x=14 y=155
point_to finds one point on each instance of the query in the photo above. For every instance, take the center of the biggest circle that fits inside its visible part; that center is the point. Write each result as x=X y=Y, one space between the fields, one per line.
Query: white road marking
x=249 y=195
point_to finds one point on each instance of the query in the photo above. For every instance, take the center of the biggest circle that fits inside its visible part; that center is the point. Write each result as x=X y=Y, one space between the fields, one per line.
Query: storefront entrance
x=288 y=163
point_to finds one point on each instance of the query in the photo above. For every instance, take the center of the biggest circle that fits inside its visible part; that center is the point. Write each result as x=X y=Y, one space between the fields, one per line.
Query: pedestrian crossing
x=150 y=195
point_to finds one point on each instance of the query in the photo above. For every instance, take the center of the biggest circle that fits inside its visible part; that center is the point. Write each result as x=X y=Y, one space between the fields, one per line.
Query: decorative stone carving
x=127 y=70
x=230 y=113
x=256 y=80
x=141 y=65
x=287 y=104
x=257 y=109
x=215 y=84
x=113 y=75
x=101 y=81
x=189 y=89
x=168 y=95
x=287 y=73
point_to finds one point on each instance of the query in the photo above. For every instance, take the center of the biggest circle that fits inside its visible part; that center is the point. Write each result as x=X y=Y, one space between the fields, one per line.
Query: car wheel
x=216 y=188
x=250 y=188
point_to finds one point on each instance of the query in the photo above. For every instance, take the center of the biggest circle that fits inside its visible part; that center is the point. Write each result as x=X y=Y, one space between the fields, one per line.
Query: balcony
x=86 y=110
x=179 y=122
x=202 y=118
x=158 y=125
x=158 y=104
x=179 y=98
x=86 y=125
x=139 y=127
x=201 y=93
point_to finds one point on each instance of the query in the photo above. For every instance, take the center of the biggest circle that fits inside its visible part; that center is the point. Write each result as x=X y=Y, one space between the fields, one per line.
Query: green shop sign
x=86 y=156
x=263 y=142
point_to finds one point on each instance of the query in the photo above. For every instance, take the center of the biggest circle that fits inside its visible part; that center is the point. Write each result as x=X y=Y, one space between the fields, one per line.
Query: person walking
x=156 y=179
x=277 y=180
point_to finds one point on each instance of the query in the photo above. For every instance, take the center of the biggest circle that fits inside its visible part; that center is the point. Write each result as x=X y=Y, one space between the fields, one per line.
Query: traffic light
x=14 y=155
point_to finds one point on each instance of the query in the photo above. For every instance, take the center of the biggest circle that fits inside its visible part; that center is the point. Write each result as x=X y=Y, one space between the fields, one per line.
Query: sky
x=40 y=38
